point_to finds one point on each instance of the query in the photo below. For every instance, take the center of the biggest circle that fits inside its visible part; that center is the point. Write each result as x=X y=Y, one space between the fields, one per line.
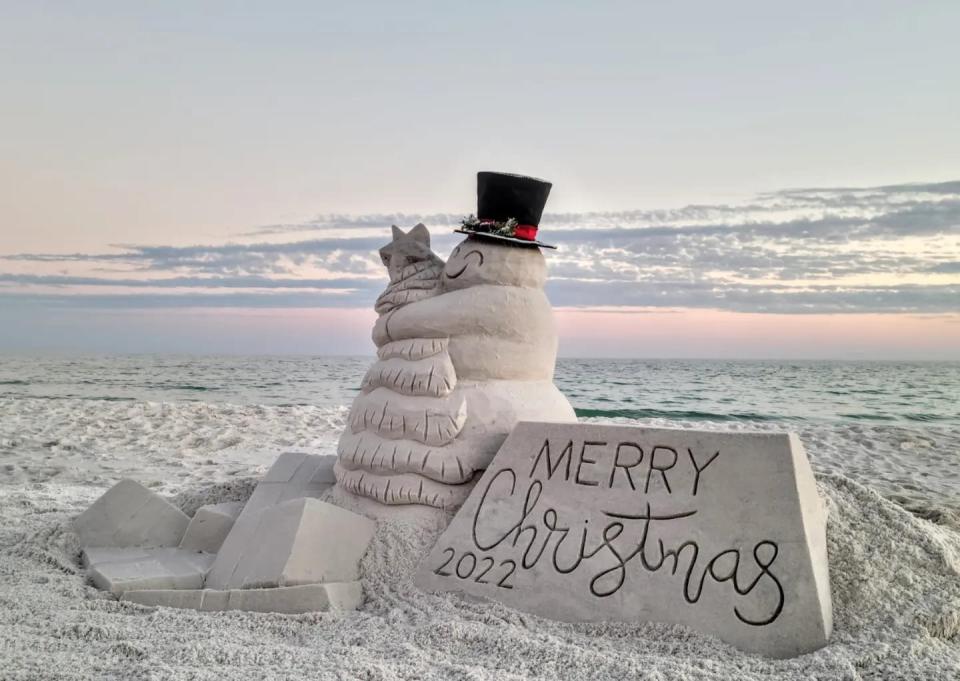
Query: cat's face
x=479 y=261
x=405 y=249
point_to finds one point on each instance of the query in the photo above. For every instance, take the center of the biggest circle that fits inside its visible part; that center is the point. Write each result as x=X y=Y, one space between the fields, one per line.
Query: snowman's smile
x=466 y=264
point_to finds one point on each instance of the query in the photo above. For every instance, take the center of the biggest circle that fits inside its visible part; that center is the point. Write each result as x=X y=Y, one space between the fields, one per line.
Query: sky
x=740 y=179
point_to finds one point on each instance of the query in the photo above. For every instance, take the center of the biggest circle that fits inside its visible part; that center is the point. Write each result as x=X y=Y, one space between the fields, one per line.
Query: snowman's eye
x=466 y=264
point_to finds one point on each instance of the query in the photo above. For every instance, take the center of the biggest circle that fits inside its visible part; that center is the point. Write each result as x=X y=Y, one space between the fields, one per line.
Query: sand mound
x=895 y=580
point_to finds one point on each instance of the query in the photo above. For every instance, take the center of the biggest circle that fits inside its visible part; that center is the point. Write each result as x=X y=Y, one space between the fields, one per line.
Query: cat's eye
x=386 y=260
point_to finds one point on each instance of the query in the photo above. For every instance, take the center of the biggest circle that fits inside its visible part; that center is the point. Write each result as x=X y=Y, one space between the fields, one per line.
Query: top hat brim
x=500 y=237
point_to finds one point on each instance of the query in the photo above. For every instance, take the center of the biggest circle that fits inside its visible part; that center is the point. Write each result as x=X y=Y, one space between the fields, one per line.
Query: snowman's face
x=479 y=261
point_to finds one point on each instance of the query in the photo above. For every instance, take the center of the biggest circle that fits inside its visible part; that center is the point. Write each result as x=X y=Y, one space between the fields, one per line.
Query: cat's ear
x=397 y=232
x=421 y=234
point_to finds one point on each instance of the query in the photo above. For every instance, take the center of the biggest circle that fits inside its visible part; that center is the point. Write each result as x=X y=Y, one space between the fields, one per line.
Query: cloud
x=350 y=298
x=892 y=248
x=256 y=282
x=225 y=258
x=909 y=188
x=758 y=298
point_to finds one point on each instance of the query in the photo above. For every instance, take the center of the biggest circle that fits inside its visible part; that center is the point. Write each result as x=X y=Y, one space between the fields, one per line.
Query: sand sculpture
x=466 y=349
x=722 y=532
x=284 y=550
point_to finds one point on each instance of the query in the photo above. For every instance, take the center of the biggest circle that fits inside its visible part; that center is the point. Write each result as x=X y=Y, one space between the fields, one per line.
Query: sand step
x=118 y=570
x=291 y=600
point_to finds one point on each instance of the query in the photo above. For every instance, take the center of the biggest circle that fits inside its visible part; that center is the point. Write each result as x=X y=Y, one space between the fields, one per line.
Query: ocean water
x=176 y=421
x=688 y=390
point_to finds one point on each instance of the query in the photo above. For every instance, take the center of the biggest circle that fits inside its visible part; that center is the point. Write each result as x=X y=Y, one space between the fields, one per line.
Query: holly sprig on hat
x=471 y=223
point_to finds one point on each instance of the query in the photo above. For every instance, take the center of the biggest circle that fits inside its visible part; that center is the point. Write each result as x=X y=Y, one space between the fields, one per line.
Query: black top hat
x=509 y=208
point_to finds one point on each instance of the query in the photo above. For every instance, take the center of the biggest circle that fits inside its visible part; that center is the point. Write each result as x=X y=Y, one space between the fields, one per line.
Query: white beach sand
x=895 y=575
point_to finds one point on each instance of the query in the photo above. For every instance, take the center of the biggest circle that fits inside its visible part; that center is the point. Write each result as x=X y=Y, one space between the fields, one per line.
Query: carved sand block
x=128 y=514
x=290 y=600
x=292 y=475
x=721 y=532
x=210 y=526
x=283 y=551
x=123 y=569
x=302 y=541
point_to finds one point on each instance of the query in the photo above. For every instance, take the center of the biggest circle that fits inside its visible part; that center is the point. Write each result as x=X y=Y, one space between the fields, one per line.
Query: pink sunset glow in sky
x=583 y=333
x=748 y=180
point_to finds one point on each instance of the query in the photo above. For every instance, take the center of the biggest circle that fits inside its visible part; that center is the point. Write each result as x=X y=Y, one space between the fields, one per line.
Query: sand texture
x=895 y=576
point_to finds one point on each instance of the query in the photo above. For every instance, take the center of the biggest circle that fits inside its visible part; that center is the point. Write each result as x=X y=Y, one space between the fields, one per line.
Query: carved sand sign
x=722 y=532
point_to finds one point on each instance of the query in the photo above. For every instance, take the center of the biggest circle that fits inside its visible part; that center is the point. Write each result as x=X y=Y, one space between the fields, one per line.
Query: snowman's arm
x=504 y=311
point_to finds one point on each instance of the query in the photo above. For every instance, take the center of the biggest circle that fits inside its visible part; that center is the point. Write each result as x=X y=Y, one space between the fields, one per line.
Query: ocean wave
x=695 y=415
x=680 y=415
x=867 y=417
x=928 y=418
x=71 y=397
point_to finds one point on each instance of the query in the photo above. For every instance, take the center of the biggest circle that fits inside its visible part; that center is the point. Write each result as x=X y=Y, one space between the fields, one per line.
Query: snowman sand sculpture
x=466 y=350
